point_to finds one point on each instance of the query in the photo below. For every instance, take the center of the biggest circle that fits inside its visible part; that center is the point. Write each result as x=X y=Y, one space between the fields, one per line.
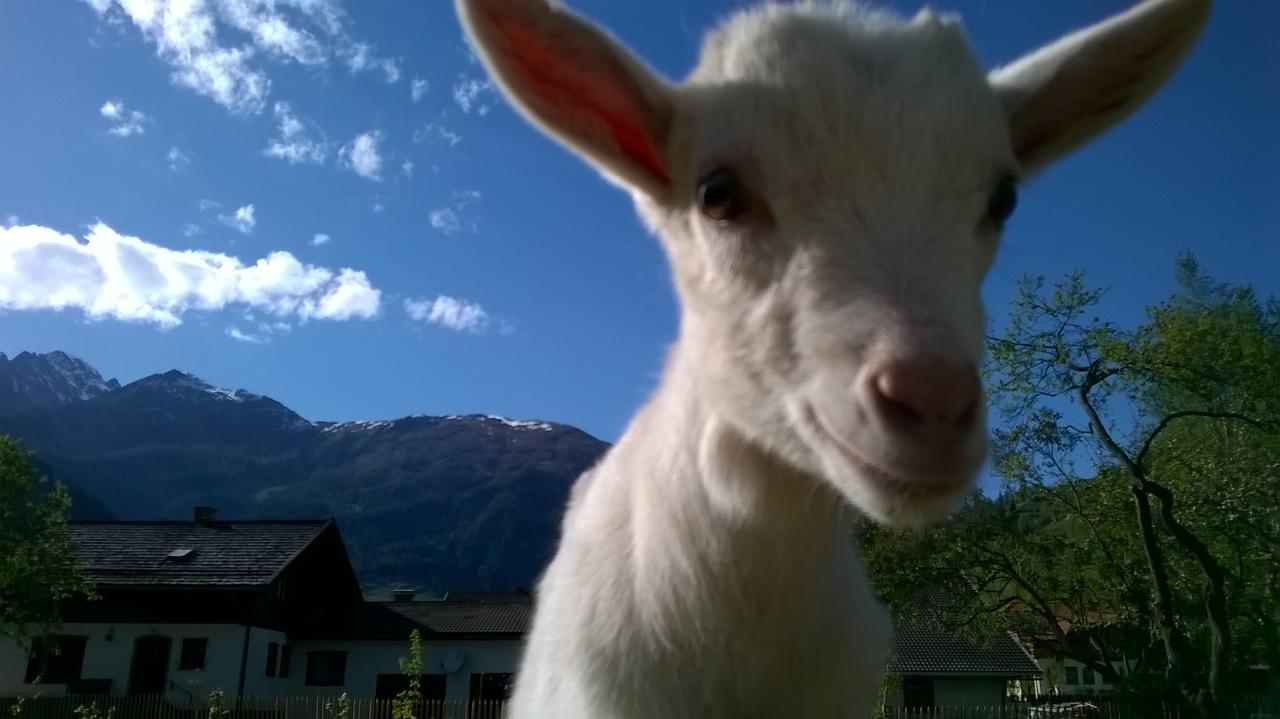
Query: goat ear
x=1066 y=93
x=577 y=84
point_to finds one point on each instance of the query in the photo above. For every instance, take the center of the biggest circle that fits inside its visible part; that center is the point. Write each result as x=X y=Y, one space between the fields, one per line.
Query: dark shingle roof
x=249 y=553
x=488 y=597
x=372 y=620
x=922 y=650
x=467 y=617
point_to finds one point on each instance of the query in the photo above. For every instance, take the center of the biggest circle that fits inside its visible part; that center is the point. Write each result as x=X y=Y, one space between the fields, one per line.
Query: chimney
x=204 y=515
x=403 y=594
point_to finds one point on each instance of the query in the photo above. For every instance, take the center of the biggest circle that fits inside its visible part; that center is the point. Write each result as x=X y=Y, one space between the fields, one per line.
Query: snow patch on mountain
x=522 y=423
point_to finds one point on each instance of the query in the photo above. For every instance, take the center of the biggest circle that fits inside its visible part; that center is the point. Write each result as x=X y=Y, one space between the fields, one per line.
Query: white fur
x=705 y=567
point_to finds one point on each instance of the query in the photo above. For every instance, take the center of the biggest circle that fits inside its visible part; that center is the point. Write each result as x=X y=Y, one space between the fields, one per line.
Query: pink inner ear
x=589 y=90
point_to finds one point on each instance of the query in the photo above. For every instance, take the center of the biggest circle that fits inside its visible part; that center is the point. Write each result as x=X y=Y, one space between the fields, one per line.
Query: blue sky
x=464 y=263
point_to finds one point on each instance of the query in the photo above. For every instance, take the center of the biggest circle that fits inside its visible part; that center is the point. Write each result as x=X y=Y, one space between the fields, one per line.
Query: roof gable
x=218 y=554
x=451 y=618
x=929 y=651
x=925 y=643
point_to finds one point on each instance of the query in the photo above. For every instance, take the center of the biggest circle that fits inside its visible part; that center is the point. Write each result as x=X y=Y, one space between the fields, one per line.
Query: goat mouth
x=909 y=487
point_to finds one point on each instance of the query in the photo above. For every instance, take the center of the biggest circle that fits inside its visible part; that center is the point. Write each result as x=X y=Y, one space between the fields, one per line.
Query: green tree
x=1140 y=499
x=93 y=711
x=406 y=703
x=1084 y=401
x=38 y=565
x=338 y=708
x=216 y=702
x=1013 y=561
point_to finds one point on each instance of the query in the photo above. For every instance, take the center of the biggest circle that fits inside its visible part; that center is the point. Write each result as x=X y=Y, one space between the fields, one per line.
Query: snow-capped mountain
x=456 y=502
x=35 y=381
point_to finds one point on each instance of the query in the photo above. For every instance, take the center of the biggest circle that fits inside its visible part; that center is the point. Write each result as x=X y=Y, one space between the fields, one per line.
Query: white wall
x=13 y=666
x=256 y=681
x=111 y=658
x=367 y=659
x=1056 y=666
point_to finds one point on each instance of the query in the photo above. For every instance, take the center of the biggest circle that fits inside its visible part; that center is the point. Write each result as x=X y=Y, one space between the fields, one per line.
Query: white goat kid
x=830 y=187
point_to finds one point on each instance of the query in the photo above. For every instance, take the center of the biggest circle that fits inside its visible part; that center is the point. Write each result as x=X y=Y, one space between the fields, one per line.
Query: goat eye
x=1003 y=200
x=721 y=196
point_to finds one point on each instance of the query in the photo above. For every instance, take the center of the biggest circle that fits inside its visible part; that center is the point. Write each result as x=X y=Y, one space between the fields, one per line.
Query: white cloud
x=191 y=230
x=319 y=239
x=259 y=332
x=218 y=48
x=124 y=122
x=178 y=159
x=446 y=220
x=112 y=110
x=360 y=58
x=114 y=276
x=272 y=32
x=351 y=296
x=456 y=216
x=418 y=88
x=242 y=220
x=469 y=52
x=206 y=205
x=451 y=312
x=185 y=35
x=470 y=93
x=362 y=156
x=407 y=168
x=295 y=144
x=435 y=132
x=236 y=333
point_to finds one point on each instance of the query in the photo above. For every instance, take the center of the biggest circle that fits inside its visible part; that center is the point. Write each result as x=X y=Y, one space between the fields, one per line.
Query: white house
x=1065 y=675
x=256 y=608
x=272 y=608
x=937 y=669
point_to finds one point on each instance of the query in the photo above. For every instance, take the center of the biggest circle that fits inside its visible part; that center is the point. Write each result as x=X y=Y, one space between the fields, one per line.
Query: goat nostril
x=966 y=418
x=900 y=413
x=934 y=397
x=893 y=401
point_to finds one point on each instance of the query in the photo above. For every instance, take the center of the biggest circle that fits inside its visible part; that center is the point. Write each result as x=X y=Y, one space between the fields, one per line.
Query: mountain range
x=436 y=503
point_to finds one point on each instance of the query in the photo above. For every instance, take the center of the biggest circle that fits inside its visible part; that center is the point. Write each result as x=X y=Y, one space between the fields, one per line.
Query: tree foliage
x=38 y=565
x=1140 y=507
x=408 y=702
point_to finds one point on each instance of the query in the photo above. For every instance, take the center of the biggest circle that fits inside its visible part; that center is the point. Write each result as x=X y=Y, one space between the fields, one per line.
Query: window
x=56 y=660
x=1088 y=676
x=917 y=692
x=326 y=669
x=491 y=687
x=432 y=685
x=286 y=654
x=1073 y=676
x=193 y=651
x=273 y=654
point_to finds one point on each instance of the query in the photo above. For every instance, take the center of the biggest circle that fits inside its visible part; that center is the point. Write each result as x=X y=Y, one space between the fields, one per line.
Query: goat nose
x=933 y=398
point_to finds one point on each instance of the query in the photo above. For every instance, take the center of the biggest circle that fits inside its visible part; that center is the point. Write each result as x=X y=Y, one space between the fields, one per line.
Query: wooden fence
x=162 y=707
x=1084 y=708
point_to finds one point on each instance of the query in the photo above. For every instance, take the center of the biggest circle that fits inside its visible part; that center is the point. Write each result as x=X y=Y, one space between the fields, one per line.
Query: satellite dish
x=453 y=660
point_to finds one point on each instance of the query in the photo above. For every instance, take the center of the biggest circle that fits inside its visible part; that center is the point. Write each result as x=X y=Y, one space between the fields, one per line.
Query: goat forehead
x=776 y=41
x=867 y=101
